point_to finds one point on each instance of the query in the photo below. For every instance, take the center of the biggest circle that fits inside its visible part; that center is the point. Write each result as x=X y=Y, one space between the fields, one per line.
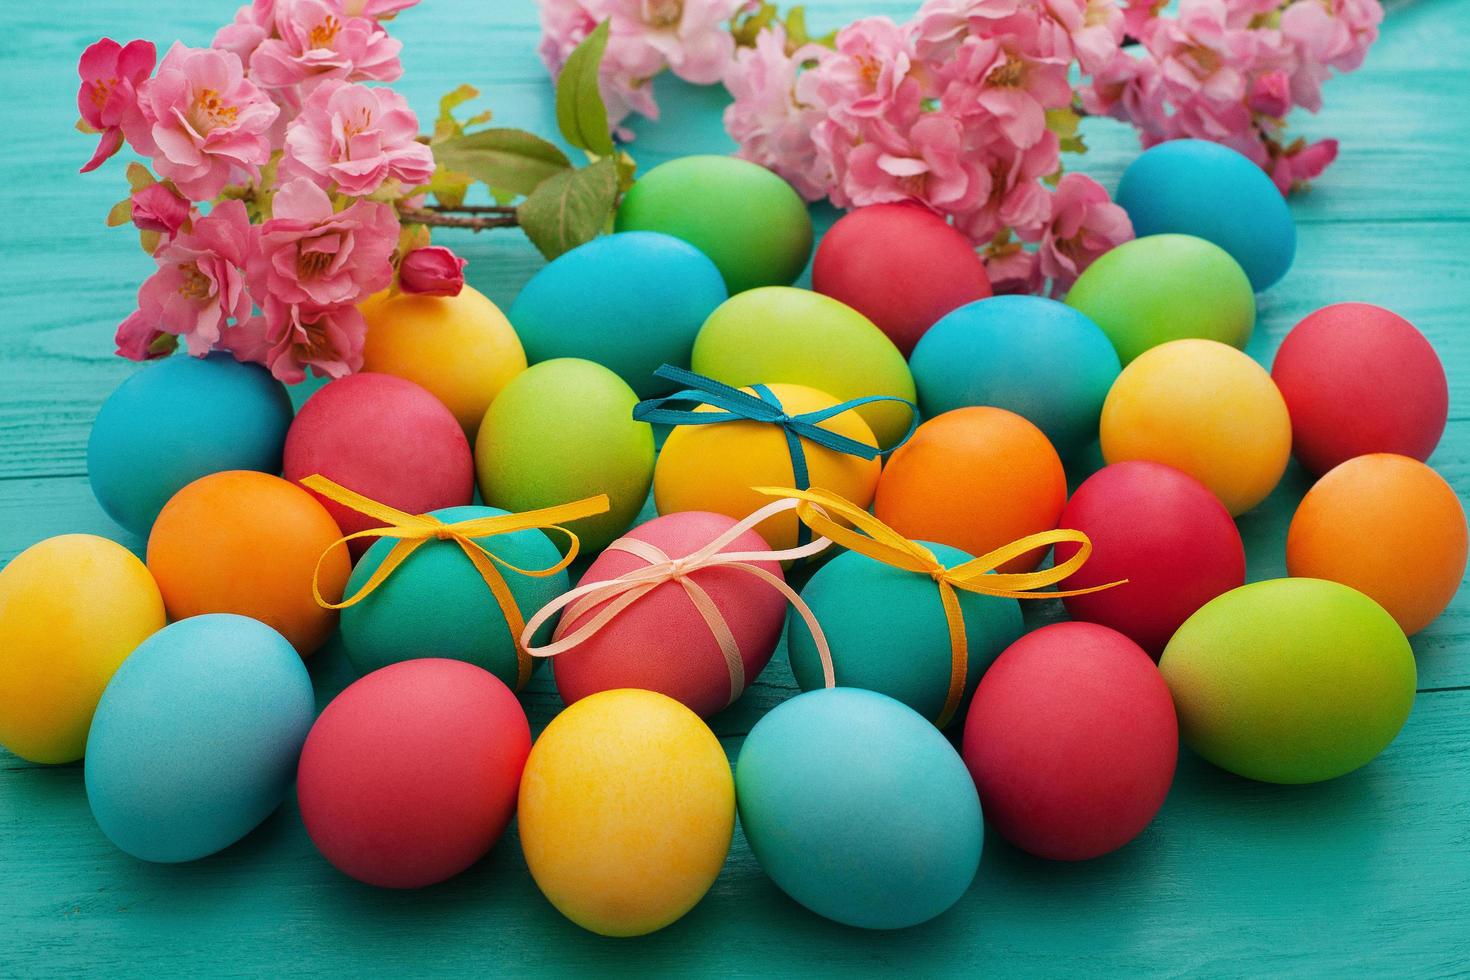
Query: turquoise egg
x=859 y=809
x=196 y=737
x=630 y=301
x=436 y=604
x=180 y=419
x=1199 y=188
x=887 y=632
x=1036 y=357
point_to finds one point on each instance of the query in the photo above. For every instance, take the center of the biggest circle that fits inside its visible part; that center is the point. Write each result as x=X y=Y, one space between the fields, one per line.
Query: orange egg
x=714 y=467
x=974 y=478
x=1390 y=527
x=246 y=543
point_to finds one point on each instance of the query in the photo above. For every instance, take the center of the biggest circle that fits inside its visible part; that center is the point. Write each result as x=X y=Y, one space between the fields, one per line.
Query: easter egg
x=1205 y=409
x=436 y=604
x=1358 y=379
x=1166 y=287
x=750 y=222
x=1291 y=680
x=901 y=266
x=196 y=738
x=631 y=302
x=859 y=809
x=974 y=479
x=385 y=438
x=410 y=774
x=564 y=430
x=460 y=349
x=1030 y=355
x=870 y=611
x=71 y=609
x=626 y=811
x=1072 y=741
x=662 y=642
x=1204 y=189
x=177 y=420
x=1163 y=535
x=247 y=543
x=1390 y=527
x=794 y=336
x=715 y=467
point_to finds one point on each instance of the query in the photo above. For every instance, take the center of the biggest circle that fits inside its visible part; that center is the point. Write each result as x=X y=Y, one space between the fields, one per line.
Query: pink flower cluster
x=691 y=38
x=1230 y=71
x=276 y=281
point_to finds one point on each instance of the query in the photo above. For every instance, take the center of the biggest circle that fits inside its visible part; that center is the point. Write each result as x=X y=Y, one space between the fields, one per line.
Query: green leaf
x=446 y=126
x=570 y=208
x=138 y=176
x=580 y=111
x=1064 y=123
x=510 y=161
x=121 y=213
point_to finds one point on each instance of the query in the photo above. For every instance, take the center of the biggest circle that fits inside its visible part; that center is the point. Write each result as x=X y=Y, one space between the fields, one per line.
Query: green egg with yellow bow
x=888 y=632
x=437 y=604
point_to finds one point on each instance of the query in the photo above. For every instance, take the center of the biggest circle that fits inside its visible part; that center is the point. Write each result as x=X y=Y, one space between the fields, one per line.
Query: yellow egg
x=714 y=467
x=71 y=610
x=1206 y=409
x=461 y=348
x=626 y=810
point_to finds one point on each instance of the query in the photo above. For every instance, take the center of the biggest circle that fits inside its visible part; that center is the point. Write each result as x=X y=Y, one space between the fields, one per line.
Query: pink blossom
x=314 y=40
x=1012 y=269
x=1084 y=224
x=432 y=271
x=691 y=36
x=200 y=283
x=308 y=254
x=356 y=137
x=768 y=118
x=1300 y=163
x=873 y=72
x=1015 y=199
x=137 y=339
x=1270 y=94
x=253 y=23
x=111 y=75
x=158 y=207
x=288 y=338
x=203 y=123
x=929 y=165
x=1089 y=31
x=1008 y=82
x=376 y=9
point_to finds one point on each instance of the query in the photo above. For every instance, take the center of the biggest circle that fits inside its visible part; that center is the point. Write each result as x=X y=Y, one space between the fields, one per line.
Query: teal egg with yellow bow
x=888 y=632
x=437 y=604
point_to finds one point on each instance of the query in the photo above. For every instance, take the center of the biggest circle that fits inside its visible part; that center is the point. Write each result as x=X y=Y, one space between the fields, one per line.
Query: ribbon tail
x=514 y=621
x=959 y=654
x=730 y=649
x=819 y=638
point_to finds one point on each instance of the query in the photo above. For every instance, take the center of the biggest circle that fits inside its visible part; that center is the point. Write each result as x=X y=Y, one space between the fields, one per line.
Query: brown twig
x=478 y=218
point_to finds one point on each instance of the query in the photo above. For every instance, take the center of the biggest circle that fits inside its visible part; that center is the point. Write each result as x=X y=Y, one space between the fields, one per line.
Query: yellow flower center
x=195 y=285
x=663 y=13
x=869 y=68
x=324 y=33
x=1206 y=62
x=1012 y=74
x=101 y=89
x=310 y=264
x=210 y=110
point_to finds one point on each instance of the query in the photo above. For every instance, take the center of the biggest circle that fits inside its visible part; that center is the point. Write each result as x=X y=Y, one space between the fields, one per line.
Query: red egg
x=386 y=438
x=900 y=265
x=1166 y=534
x=1072 y=741
x=1359 y=379
x=410 y=775
x=661 y=642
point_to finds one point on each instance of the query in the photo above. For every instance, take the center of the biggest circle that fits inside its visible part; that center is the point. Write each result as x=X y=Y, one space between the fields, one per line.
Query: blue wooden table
x=1366 y=874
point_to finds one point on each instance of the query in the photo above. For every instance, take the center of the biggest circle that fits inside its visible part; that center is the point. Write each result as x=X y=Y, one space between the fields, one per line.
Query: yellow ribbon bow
x=415 y=530
x=865 y=534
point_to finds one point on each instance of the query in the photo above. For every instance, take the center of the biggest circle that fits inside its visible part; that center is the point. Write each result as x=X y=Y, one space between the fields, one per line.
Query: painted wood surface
x=1367 y=874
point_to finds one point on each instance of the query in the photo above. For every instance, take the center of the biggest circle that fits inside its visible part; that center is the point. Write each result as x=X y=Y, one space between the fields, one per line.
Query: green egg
x=436 y=604
x=796 y=336
x=750 y=222
x=1293 y=680
x=1166 y=287
x=887 y=631
x=560 y=431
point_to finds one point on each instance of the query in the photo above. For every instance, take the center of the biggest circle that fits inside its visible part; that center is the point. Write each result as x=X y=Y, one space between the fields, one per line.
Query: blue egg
x=196 y=737
x=180 y=419
x=1036 y=357
x=1199 y=188
x=436 y=604
x=859 y=809
x=630 y=301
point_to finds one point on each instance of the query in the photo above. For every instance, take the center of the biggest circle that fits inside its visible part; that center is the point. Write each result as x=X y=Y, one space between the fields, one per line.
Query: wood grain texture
x=1367 y=874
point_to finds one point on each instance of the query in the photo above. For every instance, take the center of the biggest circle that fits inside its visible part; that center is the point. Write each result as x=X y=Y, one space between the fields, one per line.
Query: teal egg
x=177 y=420
x=859 y=809
x=1030 y=355
x=196 y=737
x=436 y=604
x=630 y=302
x=887 y=632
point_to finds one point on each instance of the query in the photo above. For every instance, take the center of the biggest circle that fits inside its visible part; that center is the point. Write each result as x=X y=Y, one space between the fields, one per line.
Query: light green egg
x=560 y=431
x=1293 y=680
x=796 y=336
